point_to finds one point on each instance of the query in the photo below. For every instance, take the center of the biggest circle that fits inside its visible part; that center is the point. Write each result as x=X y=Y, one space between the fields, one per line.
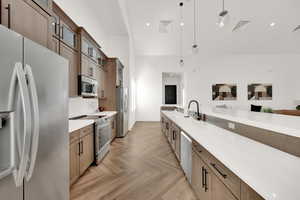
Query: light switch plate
x=231 y=125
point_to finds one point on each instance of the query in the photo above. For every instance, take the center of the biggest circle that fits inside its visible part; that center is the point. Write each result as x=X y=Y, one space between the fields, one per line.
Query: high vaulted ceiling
x=256 y=37
x=101 y=18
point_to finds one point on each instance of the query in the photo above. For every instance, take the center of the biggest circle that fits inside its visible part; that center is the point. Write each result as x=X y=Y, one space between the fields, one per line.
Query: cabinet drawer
x=226 y=176
x=202 y=152
x=221 y=171
x=86 y=130
x=74 y=136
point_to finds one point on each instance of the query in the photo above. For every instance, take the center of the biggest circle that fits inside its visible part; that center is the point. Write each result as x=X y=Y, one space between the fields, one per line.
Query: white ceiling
x=101 y=18
x=257 y=37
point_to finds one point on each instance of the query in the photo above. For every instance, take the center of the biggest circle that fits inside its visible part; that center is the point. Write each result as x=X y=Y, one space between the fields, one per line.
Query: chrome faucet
x=197 y=103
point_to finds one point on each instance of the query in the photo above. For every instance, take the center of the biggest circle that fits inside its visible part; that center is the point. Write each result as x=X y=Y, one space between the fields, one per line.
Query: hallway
x=138 y=167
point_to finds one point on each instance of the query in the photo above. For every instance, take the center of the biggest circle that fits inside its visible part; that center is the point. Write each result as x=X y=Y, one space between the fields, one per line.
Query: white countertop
x=274 y=174
x=105 y=113
x=75 y=125
x=285 y=124
x=81 y=123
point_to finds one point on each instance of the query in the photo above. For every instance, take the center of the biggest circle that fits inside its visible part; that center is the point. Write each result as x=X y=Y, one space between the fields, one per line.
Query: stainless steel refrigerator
x=122 y=103
x=34 y=147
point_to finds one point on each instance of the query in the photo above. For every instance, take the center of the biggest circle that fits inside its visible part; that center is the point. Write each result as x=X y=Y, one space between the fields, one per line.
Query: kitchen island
x=271 y=173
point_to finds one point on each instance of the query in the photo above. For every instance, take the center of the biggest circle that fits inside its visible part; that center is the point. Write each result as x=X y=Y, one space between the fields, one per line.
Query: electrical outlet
x=231 y=125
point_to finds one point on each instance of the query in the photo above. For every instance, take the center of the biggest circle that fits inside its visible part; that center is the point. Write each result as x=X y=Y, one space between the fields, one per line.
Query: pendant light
x=181 y=60
x=195 y=43
x=223 y=16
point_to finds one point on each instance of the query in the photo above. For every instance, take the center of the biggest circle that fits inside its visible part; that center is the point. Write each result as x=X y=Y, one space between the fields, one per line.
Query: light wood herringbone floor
x=138 y=167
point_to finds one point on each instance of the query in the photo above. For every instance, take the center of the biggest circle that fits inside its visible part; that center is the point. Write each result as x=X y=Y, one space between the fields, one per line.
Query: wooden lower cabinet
x=71 y=55
x=177 y=142
x=74 y=160
x=81 y=152
x=87 y=152
x=211 y=179
x=27 y=19
x=220 y=191
x=248 y=193
x=201 y=178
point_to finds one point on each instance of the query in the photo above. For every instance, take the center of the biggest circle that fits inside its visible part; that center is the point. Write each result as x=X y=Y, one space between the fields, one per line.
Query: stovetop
x=91 y=117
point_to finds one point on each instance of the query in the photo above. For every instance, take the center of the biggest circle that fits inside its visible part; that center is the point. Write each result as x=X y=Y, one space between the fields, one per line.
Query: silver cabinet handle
x=218 y=170
x=19 y=77
x=35 y=121
x=8 y=8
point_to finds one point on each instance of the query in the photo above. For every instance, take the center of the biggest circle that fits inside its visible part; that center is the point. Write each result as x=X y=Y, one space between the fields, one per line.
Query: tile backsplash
x=82 y=106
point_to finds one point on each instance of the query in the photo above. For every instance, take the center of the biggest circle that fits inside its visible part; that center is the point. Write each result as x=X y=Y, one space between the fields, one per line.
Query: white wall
x=201 y=72
x=149 y=71
x=173 y=79
x=280 y=70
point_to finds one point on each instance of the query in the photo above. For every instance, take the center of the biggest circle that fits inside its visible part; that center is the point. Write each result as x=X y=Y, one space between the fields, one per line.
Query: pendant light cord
x=181 y=33
x=223 y=5
x=195 y=24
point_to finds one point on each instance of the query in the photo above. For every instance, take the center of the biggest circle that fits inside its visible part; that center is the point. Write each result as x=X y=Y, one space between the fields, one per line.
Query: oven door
x=103 y=135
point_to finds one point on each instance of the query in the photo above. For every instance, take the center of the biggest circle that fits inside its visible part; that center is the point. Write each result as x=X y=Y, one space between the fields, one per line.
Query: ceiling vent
x=164 y=26
x=297 y=28
x=240 y=24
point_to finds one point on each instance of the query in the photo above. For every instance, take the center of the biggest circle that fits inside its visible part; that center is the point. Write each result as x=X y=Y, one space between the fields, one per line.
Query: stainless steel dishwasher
x=186 y=156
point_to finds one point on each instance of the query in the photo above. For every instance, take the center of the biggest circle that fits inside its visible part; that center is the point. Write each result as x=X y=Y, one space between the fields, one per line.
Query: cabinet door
x=93 y=69
x=71 y=56
x=74 y=161
x=88 y=67
x=173 y=138
x=248 y=193
x=27 y=19
x=177 y=144
x=84 y=65
x=55 y=45
x=220 y=191
x=201 y=178
x=101 y=88
x=114 y=130
x=87 y=152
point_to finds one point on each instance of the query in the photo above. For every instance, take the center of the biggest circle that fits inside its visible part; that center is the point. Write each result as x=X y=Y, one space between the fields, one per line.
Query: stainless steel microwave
x=88 y=87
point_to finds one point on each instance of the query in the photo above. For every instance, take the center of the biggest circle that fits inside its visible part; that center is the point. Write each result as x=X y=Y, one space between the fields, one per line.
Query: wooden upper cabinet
x=64 y=34
x=88 y=67
x=46 y=5
x=71 y=55
x=101 y=86
x=54 y=46
x=28 y=19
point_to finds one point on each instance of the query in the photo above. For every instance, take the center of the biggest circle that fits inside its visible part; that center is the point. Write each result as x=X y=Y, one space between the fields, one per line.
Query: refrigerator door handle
x=35 y=121
x=19 y=77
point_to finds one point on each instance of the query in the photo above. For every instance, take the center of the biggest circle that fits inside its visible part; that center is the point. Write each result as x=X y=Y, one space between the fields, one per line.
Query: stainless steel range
x=102 y=136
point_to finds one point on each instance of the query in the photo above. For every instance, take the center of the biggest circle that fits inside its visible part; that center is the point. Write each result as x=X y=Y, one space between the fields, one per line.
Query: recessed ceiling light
x=148 y=24
x=272 y=24
x=181 y=23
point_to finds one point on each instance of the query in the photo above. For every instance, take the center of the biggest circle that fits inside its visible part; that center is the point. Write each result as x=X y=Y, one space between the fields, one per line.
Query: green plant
x=298 y=107
x=267 y=110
